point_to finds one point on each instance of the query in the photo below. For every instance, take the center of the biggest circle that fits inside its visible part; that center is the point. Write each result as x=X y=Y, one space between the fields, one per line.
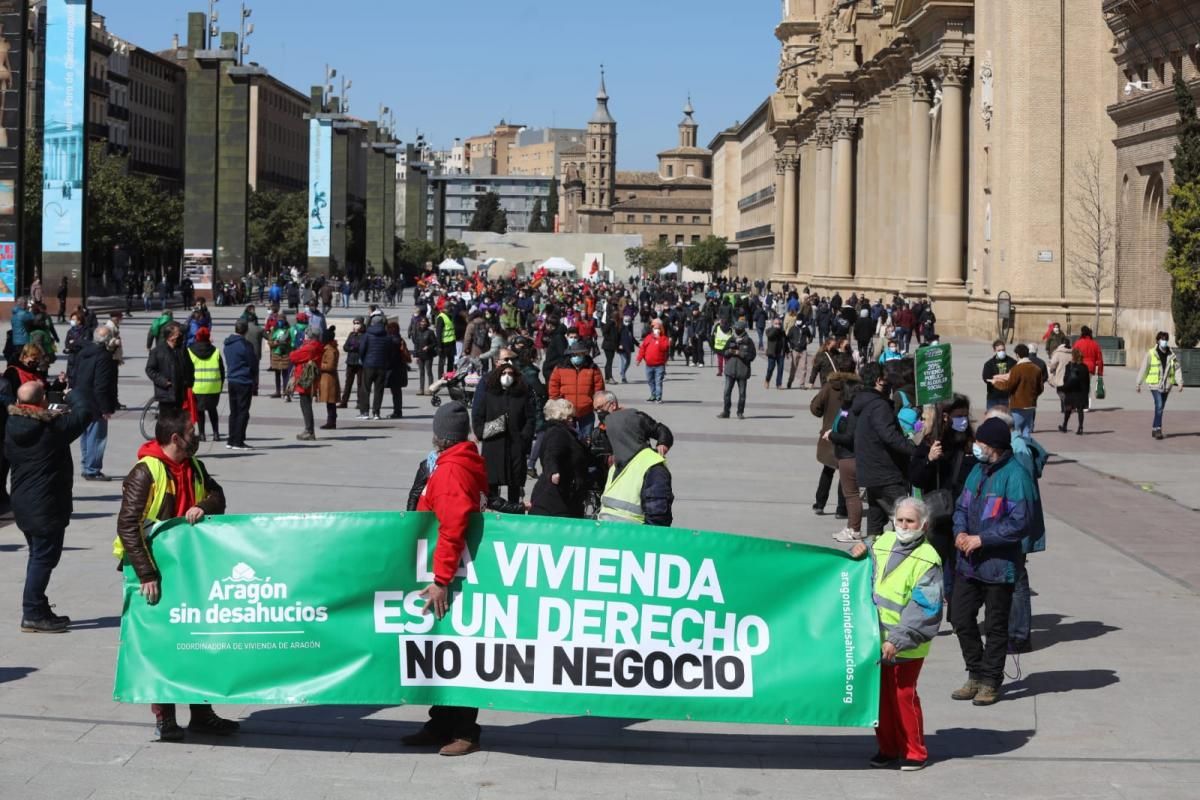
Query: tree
x=488 y=215
x=535 y=218
x=1091 y=268
x=710 y=255
x=552 y=207
x=32 y=210
x=277 y=229
x=415 y=253
x=649 y=260
x=455 y=249
x=1183 y=222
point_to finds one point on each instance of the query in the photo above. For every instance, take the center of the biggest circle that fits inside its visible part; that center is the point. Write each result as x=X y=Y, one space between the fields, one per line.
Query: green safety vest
x=894 y=590
x=163 y=485
x=1154 y=372
x=447 y=328
x=720 y=339
x=622 y=498
x=208 y=373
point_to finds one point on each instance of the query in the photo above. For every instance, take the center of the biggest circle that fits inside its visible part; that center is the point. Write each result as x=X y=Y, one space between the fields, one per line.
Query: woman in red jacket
x=1093 y=358
x=654 y=350
x=308 y=353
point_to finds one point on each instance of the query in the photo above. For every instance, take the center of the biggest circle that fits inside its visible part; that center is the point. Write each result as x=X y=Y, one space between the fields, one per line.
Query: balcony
x=97 y=86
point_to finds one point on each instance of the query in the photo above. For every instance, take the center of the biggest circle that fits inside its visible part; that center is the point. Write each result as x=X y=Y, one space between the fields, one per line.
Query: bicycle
x=149 y=419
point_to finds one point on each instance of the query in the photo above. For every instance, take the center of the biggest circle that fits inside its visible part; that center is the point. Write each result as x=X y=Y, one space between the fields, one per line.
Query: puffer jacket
x=37 y=444
x=997 y=505
x=881 y=450
x=578 y=385
x=375 y=348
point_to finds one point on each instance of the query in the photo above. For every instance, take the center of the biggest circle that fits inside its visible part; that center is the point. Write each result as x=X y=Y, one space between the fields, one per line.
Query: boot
x=968 y=691
x=168 y=730
x=987 y=695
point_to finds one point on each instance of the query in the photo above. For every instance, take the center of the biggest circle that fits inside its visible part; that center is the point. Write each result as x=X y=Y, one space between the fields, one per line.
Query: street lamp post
x=247 y=28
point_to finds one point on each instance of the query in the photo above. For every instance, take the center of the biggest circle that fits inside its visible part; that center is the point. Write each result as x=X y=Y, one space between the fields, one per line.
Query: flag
x=595 y=266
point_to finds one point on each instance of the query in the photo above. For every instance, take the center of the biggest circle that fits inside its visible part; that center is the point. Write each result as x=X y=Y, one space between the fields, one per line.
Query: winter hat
x=995 y=434
x=202 y=335
x=302 y=317
x=452 y=423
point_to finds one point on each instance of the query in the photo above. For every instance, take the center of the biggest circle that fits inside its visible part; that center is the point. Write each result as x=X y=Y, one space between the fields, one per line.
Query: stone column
x=780 y=219
x=822 y=200
x=949 y=268
x=884 y=210
x=806 y=208
x=789 y=215
x=842 y=249
x=918 y=188
x=897 y=204
x=866 y=182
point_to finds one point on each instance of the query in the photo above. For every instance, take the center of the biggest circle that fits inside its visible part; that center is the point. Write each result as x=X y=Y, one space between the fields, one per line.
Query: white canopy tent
x=450 y=265
x=669 y=269
x=559 y=265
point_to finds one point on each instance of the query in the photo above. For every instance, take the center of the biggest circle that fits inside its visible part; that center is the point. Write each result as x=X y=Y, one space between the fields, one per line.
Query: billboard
x=12 y=116
x=320 y=179
x=198 y=266
x=8 y=271
x=64 y=142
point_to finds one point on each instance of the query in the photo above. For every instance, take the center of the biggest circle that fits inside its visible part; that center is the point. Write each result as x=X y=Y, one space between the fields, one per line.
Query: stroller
x=460 y=383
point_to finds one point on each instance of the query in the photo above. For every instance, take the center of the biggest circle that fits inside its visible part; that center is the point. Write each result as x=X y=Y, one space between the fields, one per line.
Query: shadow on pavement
x=1056 y=682
x=600 y=739
x=8 y=674
x=95 y=624
x=91 y=514
x=1051 y=629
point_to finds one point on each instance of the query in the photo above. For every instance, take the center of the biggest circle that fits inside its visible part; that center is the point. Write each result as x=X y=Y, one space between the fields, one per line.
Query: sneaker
x=306 y=437
x=880 y=761
x=741 y=416
x=240 y=447
x=968 y=691
x=459 y=747
x=216 y=437
x=818 y=510
x=99 y=476
x=276 y=396
x=395 y=416
x=912 y=765
x=1158 y=434
x=47 y=624
x=532 y=473
x=363 y=416
x=375 y=417
x=228 y=446
x=203 y=438
x=848 y=536
x=168 y=730
x=987 y=695
x=722 y=416
x=212 y=724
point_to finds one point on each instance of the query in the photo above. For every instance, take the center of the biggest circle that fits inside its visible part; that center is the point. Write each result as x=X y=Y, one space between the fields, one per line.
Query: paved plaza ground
x=1102 y=709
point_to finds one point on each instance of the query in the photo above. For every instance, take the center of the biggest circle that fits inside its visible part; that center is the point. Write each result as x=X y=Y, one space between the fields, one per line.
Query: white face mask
x=506 y=381
x=907 y=537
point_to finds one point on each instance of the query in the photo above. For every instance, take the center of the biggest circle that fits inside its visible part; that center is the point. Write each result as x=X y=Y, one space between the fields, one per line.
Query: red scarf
x=182 y=473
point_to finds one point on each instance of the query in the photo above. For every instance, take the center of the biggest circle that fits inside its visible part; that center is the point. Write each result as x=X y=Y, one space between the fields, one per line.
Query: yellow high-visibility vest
x=447 y=328
x=894 y=590
x=622 y=498
x=163 y=485
x=208 y=372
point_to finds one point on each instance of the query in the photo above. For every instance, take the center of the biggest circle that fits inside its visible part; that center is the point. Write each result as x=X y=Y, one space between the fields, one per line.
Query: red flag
x=595 y=266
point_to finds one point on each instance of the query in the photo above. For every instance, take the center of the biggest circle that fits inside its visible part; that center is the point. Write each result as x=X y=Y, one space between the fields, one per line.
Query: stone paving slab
x=1101 y=709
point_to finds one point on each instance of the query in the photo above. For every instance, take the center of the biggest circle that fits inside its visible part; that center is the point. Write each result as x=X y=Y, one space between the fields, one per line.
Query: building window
x=662 y=237
x=645 y=219
x=679 y=240
x=1160 y=72
x=1176 y=64
x=691 y=171
x=695 y=238
x=670 y=170
x=696 y=220
x=629 y=218
x=679 y=219
x=662 y=219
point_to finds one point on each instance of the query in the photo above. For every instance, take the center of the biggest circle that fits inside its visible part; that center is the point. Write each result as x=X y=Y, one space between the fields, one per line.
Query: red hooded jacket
x=654 y=350
x=457 y=489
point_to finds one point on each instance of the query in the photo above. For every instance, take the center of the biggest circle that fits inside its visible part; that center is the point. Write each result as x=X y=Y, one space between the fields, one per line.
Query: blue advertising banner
x=63 y=138
x=320 y=178
x=8 y=271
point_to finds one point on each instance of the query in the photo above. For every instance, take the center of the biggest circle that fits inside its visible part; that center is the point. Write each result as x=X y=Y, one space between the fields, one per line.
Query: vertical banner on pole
x=320 y=178
x=12 y=129
x=64 y=143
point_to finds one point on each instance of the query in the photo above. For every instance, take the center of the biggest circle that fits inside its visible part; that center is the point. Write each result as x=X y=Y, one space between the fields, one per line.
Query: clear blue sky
x=456 y=68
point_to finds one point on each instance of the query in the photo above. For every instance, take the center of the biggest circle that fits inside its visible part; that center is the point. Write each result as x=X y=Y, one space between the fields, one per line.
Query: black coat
x=170 y=370
x=37 y=444
x=375 y=348
x=562 y=454
x=96 y=378
x=397 y=370
x=881 y=450
x=505 y=454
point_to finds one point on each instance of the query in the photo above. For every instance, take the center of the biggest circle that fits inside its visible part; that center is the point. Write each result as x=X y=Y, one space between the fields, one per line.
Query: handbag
x=495 y=428
x=1100 y=394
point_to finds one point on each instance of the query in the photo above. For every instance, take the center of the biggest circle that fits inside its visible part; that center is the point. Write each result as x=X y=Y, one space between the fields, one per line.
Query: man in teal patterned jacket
x=996 y=512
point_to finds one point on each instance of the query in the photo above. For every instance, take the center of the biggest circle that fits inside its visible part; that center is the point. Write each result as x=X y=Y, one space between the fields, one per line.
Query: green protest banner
x=935 y=374
x=549 y=615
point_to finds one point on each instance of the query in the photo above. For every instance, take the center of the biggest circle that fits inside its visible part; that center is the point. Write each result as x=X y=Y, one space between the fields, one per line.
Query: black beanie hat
x=995 y=434
x=452 y=423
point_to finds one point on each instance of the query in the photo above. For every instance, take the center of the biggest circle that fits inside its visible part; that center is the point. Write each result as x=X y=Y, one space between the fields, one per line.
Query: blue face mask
x=1162 y=344
x=577 y=360
x=959 y=424
x=977 y=451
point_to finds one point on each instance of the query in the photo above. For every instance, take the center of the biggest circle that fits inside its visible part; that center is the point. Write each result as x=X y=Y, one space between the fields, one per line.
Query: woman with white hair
x=908 y=596
x=561 y=488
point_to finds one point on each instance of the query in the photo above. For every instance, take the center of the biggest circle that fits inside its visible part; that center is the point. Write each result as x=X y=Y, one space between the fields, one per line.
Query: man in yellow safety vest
x=168 y=481
x=639 y=484
x=908 y=596
x=208 y=369
x=443 y=325
x=1161 y=372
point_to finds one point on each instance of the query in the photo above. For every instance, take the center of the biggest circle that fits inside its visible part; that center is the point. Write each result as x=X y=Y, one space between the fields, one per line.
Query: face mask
x=907 y=537
x=191 y=446
x=1000 y=355
x=977 y=451
x=602 y=415
x=506 y=381
x=1162 y=344
x=74 y=323
x=571 y=340
x=959 y=424
x=577 y=360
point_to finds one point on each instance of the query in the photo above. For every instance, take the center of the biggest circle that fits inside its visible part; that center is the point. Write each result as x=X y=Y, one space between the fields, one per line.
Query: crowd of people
x=945 y=498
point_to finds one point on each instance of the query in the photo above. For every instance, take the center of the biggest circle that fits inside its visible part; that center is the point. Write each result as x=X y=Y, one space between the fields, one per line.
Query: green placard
x=551 y=616
x=935 y=374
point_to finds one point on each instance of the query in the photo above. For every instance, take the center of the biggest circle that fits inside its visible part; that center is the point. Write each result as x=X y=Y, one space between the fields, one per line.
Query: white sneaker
x=848 y=536
x=364 y=416
x=376 y=417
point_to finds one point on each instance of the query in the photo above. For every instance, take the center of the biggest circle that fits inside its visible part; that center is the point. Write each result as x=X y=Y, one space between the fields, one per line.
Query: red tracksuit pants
x=901 y=731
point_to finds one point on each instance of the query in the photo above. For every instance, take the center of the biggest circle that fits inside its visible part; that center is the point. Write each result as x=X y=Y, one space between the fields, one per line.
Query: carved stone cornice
x=953 y=70
x=824 y=136
x=844 y=127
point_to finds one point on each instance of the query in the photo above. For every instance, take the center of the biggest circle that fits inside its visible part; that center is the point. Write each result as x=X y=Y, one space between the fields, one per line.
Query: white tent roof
x=450 y=265
x=669 y=269
x=557 y=264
